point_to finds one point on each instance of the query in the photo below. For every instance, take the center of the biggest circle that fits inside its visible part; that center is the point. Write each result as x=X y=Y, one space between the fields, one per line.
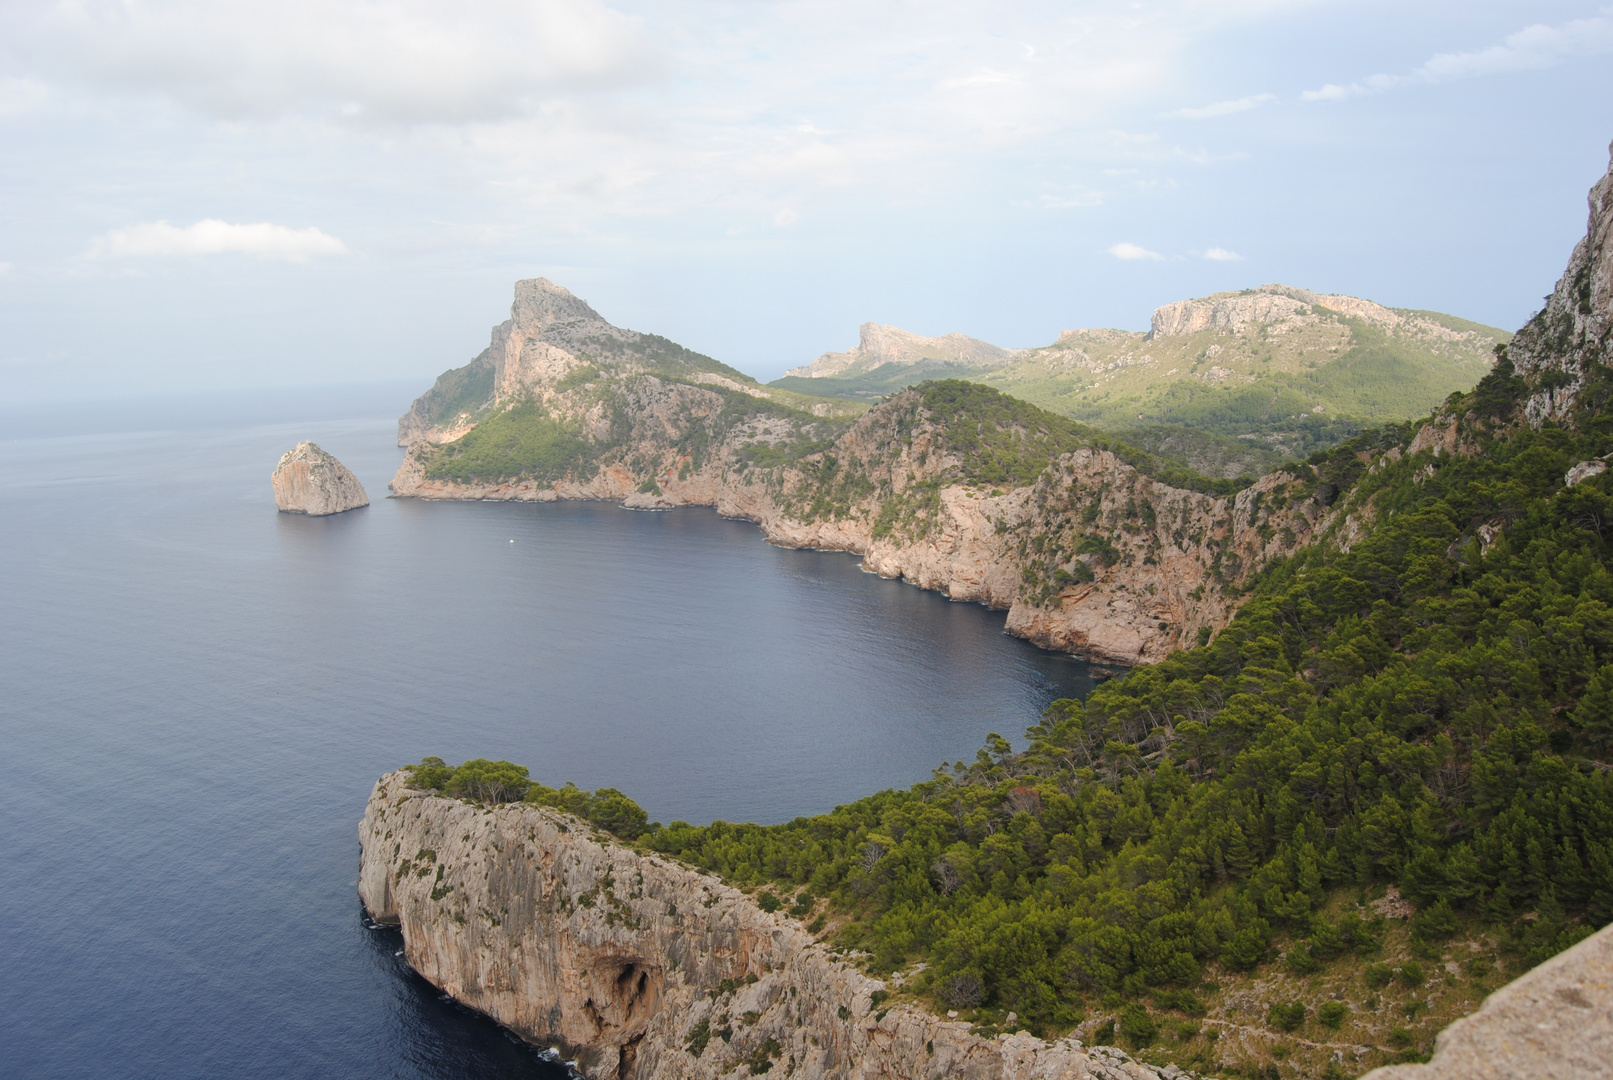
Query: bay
x=197 y=692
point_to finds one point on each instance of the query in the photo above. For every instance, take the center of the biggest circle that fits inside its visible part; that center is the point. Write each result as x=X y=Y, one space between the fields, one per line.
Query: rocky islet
x=309 y=481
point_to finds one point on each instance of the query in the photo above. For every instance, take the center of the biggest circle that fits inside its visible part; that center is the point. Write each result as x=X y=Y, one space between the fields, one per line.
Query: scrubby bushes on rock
x=484 y=781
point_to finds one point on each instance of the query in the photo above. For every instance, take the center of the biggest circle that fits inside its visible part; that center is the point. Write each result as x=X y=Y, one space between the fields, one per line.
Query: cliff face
x=1556 y=351
x=1232 y=312
x=642 y=968
x=310 y=481
x=962 y=491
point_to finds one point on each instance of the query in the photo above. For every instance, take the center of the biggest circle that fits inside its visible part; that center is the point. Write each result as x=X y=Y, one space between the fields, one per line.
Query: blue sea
x=197 y=692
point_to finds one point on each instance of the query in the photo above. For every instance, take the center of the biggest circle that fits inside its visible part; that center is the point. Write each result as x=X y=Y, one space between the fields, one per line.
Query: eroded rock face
x=1172 y=566
x=637 y=966
x=310 y=481
x=1575 y=329
x=1232 y=312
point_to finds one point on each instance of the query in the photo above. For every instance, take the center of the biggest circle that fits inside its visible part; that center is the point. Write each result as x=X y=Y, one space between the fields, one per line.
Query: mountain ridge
x=1282 y=369
x=1090 y=545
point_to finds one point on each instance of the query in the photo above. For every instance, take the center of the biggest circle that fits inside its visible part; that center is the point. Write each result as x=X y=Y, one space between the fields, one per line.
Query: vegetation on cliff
x=523 y=442
x=1431 y=708
x=1283 y=384
x=977 y=436
x=484 y=781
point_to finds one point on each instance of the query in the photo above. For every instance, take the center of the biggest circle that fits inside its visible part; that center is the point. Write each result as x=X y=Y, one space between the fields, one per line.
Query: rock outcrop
x=1556 y=350
x=642 y=969
x=1552 y=1023
x=1232 y=312
x=310 y=481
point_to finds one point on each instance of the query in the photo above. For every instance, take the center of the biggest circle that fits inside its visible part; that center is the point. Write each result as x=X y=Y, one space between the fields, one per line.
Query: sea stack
x=310 y=481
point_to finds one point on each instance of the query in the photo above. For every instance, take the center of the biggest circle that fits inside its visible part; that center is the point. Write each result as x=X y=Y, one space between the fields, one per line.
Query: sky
x=202 y=195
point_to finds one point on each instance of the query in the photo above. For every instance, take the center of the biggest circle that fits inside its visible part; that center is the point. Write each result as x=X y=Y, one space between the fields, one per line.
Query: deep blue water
x=197 y=692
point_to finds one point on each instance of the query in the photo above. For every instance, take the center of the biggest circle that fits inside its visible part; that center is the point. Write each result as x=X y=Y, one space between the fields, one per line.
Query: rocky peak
x=1575 y=329
x=1232 y=312
x=540 y=303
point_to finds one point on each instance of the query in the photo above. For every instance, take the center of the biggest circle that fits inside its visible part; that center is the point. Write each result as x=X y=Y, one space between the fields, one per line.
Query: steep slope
x=554 y=340
x=1285 y=370
x=1091 y=546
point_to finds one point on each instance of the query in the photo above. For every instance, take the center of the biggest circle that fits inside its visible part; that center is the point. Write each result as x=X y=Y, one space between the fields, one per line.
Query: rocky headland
x=637 y=967
x=1088 y=547
x=310 y=481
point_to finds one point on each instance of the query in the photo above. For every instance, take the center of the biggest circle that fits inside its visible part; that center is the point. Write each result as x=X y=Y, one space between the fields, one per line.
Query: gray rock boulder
x=310 y=481
x=1552 y=1023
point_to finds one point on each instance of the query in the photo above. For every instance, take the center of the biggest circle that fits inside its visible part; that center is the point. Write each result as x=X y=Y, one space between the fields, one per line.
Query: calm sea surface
x=197 y=692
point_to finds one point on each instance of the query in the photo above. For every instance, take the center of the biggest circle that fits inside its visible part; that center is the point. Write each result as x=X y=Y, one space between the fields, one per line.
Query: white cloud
x=1223 y=255
x=20 y=95
x=213 y=237
x=1329 y=92
x=1530 y=49
x=786 y=217
x=1133 y=251
x=409 y=61
x=1225 y=108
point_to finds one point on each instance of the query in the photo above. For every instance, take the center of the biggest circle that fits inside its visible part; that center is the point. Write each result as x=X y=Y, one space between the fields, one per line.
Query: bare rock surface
x=639 y=967
x=1552 y=1023
x=1231 y=312
x=310 y=481
x=1575 y=329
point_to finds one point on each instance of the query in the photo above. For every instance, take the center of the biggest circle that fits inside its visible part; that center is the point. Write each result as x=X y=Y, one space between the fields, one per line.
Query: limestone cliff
x=950 y=486
x=1233 y=312
x=1556 y=352
x=641 y=968
x=310 y=481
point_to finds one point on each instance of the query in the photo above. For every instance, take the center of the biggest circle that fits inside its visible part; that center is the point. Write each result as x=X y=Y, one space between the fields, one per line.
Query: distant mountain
x=879 y=346
x=554 y=343
x=1279 y=369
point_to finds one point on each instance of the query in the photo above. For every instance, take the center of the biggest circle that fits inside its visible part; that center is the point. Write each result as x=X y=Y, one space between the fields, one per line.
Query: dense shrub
x=480 y=780
x=1286 y=1017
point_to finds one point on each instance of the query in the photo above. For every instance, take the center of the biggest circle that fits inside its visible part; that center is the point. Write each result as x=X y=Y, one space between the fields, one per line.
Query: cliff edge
x=642 y=968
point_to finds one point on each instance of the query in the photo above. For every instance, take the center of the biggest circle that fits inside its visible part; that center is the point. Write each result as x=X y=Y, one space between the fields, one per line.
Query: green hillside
x=1422 y=711
x=1231 y=401
x=1380 y=793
